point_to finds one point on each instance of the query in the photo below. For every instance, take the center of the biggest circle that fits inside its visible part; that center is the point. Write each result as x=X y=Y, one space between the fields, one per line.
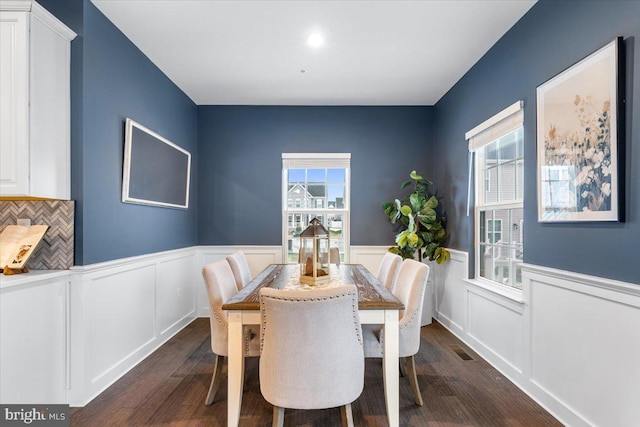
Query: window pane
x=501 y=221
x=296 y=175
x=507 y=181
x=486 y=261
x=315 y=192
x=520 y=179
x=491 y=154
x=335 y=176
x=519 y=144
x=335 y=197
x=507 y=150
x=491 y=185
x=316 y=175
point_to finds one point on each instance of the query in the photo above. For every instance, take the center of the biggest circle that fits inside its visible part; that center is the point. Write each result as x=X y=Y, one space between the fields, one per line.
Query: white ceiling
x=375 y=52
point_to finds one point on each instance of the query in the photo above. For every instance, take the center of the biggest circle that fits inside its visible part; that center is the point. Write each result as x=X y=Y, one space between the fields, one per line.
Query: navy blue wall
x=551 y=37
x=240 y=165
x=113 y=81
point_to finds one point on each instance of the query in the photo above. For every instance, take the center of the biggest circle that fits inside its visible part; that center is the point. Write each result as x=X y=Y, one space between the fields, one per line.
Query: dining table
x=376 y=305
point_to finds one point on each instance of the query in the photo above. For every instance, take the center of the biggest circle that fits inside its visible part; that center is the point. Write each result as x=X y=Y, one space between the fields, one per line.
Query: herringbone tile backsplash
x=56 y=249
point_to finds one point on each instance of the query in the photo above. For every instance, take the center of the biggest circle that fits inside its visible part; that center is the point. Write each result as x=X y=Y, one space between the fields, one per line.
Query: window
x=315 y=186
x=499 y=174
x=494 y=230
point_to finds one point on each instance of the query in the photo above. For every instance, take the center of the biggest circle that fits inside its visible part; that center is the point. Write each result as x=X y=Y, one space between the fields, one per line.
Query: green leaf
x=441 y=255
x=394 y=250
x=387 y=205
x=412 y=225
x=431 y=203
x=406 y=210
x=430 y=249
x=401 y=239
x=406 y=184
x=427 y=237
x=441 y=235
x=416 y=201
x=415 y=176
x=398 y=205
x=427 y=215
x=412 y=239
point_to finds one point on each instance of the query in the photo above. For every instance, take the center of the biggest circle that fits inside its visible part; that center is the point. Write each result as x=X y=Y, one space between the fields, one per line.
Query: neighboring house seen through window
x=497 y=145
x=315 y=185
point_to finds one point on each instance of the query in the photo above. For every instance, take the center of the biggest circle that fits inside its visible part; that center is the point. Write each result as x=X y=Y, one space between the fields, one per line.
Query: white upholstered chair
x=240 y=267
x=388 y=270
x=410 y=285
x=221 y=285
x=312 y=355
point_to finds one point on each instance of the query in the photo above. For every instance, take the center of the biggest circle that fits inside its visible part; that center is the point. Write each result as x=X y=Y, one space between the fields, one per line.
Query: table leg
x=235 y=369
x=390 y=367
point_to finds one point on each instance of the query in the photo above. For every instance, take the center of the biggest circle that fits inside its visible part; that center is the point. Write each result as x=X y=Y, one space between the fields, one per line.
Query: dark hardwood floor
x=169 y=387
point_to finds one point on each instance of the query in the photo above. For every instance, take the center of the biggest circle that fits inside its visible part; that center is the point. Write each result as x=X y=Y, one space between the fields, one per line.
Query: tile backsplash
x=56 y=249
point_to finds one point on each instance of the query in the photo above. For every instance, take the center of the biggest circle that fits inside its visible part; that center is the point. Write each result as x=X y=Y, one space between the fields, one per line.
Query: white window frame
x=482 y=135
x=317 y=161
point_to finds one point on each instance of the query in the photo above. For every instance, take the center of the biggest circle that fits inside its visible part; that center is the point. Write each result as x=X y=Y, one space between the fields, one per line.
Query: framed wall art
x=156 y=171
x=579 y=133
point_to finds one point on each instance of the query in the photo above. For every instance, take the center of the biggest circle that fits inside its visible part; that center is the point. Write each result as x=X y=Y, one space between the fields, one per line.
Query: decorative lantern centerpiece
x=314 y=254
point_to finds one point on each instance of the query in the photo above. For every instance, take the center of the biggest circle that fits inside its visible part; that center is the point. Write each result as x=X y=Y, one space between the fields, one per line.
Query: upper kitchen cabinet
x=34 y=102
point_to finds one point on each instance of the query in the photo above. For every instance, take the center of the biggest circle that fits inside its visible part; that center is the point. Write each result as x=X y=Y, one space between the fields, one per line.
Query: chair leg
x=215 y=380
x=347 y=415
x=413 y=379
x=403 y=366
x=278 y=416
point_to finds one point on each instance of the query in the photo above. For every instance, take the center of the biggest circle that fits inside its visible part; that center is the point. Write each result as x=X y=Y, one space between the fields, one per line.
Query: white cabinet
x=34 y=102
x=34 y=338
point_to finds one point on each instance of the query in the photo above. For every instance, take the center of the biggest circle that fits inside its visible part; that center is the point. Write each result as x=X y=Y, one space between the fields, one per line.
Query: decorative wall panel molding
x=563 y=331
x=56 y=249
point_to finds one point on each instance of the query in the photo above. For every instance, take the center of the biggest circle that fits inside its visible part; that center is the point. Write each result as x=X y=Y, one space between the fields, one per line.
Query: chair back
x=311 y=347
x=388 y=270
x=221 y=286
x=240 y=267
x=410 y=285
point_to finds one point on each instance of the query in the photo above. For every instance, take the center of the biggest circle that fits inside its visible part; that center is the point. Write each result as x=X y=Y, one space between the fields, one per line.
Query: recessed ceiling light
x=315 y=40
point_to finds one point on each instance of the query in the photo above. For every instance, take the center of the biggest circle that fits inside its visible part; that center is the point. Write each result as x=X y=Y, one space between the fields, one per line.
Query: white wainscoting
x=570 y=341
x=122 y=310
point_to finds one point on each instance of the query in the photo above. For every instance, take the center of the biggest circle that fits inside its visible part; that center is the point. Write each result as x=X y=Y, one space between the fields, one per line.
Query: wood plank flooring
x=169 y=387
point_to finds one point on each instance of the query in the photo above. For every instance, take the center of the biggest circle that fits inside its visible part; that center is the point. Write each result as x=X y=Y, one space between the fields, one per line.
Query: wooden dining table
x=376 y=305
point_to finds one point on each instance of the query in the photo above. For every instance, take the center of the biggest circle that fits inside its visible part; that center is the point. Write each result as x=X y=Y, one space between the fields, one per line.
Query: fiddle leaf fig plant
x=421 y=228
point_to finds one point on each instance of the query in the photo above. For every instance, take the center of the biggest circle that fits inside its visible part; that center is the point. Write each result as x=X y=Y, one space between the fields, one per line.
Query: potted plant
x=421 y=228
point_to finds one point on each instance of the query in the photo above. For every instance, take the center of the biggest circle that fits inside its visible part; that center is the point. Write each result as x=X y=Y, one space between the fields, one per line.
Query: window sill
x=512 y=294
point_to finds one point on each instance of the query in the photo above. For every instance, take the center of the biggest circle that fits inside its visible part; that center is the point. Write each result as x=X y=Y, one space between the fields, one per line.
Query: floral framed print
x=578 y=140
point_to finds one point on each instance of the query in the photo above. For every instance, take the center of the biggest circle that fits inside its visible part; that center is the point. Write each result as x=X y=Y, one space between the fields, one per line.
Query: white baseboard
x=569 y=341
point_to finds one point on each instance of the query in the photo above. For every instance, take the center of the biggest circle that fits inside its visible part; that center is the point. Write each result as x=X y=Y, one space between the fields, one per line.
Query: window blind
x=316 y=160
x=501 y=124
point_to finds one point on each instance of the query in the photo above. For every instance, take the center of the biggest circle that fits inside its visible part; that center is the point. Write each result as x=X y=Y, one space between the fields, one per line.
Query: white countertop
x=31 y=277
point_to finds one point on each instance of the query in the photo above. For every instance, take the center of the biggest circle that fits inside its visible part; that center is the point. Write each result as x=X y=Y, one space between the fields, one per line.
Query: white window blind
x=501 y=124
x=315 y=160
